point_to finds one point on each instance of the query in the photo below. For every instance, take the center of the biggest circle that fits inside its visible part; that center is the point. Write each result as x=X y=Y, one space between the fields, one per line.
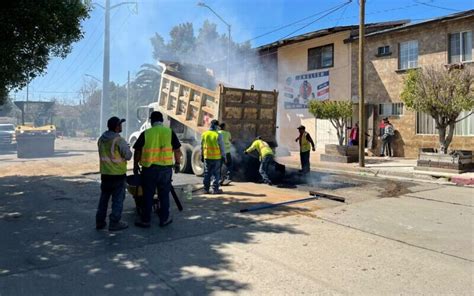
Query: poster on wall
x=299 y=89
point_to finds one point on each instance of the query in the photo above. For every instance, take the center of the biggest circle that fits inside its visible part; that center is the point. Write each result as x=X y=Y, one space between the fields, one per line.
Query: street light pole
x=202 y=4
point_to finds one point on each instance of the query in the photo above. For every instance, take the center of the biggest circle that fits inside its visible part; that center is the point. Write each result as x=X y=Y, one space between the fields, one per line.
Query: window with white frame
x=390 y=109
x=460 y=47
x=408 y=55
x=425 y=124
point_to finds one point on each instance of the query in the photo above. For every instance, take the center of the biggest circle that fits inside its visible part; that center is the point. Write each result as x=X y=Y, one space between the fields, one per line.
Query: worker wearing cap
x=227 y=138
x=154 y=151
x=306 y=144
x=213 y=153
x=114 y=153
x=266 y=157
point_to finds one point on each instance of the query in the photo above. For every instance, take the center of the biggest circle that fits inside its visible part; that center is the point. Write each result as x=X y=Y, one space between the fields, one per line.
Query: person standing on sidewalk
x=306 y=144
x=114 y=153
x=266 y=157
x=213 y=153
x=387 y=138
x=227 y=138
x=154 y=151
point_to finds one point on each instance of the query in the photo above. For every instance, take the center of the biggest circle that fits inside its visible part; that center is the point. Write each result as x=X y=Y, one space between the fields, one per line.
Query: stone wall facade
x=384 y=82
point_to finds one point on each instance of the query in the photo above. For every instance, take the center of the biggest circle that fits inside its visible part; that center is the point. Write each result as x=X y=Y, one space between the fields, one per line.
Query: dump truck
x=36 y=134
x=190 y=98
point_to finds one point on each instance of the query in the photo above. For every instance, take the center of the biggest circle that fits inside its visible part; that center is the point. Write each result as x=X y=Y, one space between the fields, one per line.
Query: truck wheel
x=187 y=151
x=198 y=165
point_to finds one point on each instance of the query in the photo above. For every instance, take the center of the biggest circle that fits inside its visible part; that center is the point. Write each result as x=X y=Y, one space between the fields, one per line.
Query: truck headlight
x=48 y=131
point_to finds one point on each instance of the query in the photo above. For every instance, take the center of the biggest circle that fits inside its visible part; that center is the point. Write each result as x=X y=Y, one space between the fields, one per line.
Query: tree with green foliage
x=441 y=93
x=208 y=48
x=337 y=112
x=31 y=32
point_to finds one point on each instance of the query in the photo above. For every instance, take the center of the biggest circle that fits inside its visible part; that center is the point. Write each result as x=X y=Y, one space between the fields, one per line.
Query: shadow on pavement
x=50 y=245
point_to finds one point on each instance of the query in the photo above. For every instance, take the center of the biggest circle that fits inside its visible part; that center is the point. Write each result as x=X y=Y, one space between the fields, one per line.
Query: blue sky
x=131 y=32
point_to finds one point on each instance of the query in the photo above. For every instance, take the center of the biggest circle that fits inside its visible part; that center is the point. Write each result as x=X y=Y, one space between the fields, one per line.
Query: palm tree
x=147 y=83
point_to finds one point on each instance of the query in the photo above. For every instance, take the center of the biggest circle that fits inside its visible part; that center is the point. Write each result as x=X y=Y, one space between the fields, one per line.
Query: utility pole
x=104 y=103
x=362 y=120
x=126 y=112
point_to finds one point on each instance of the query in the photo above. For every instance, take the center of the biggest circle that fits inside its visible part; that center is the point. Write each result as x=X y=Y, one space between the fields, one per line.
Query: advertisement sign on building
x=298 y=89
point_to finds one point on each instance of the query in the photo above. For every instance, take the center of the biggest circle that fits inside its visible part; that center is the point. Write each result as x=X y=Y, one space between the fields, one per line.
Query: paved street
x=390 y=237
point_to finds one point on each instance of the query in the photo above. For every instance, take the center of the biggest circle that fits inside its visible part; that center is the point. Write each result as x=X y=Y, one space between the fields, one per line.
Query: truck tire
x=187 y=151
x=198 y=165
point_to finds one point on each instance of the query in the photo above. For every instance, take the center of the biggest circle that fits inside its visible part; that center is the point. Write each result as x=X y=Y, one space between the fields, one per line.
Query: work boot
x=167 y=222
x=217 y=191
x=206 y=191
x=116 y=226
x=140 y=223
x=99 y=225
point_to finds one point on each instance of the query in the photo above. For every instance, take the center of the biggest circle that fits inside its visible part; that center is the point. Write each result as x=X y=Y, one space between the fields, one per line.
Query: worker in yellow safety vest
x=113 y=153
x=157 y=150
x=213 y=154
x=266 y=157
x=306 y=145
x=227 y=138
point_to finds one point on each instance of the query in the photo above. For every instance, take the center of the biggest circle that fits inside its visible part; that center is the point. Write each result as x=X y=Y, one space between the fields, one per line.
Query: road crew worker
x=213 y=153
x=266 y=157
x=306 y=144
x=154 y=151
x=114 y=153
x=227 y=138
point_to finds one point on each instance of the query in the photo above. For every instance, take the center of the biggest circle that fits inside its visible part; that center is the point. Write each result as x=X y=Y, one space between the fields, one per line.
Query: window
x=460 y=47
x=321 y=57
x=408 y=56
x=390 y=109
x=425 y=124
x=383 y=51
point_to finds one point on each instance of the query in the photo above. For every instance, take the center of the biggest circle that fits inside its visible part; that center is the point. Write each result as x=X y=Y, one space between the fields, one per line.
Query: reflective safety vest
x=210 y=145
x=305 y=146
x=262 y=147
x=157 y=149
x=226 y=137
x=111 y=161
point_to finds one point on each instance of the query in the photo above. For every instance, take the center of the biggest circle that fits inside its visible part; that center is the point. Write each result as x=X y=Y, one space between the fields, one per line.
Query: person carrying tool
x=114 y=153
x=213 y=154
x=154 y=151
x=306 y=144
x=227 y=138
x=266 y=157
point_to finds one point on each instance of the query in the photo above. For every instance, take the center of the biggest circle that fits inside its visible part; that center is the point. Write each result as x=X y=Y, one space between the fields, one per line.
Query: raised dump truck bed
x=246 y=112
x=190 y=98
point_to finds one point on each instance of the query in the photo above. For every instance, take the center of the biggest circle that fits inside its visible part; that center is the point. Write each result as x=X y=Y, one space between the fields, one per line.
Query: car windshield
x=7 y=127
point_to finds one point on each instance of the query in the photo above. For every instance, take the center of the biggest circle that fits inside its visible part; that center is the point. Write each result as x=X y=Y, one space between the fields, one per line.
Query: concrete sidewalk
x=380 y=166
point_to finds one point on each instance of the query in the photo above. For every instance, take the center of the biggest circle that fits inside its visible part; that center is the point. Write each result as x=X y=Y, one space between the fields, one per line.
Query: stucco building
x=328 y=60
x=389 y=53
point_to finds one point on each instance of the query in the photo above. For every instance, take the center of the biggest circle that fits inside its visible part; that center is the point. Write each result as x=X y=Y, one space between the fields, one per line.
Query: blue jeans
x=263 y=170
x=304 y=157
x=228 y=166
x=156 y=178
x=111 y=186
x=212 y=168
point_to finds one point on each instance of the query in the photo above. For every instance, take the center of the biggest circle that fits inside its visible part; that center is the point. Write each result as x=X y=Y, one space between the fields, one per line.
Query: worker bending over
x=154 y=151
x=266 y=157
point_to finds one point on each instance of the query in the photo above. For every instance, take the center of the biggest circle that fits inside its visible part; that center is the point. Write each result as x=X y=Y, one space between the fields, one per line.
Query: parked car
x=7 y=136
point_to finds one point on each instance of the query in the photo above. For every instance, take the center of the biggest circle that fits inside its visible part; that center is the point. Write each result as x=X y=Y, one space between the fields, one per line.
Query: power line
x=319 y=18
x=436 y=6
x=288 y=25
